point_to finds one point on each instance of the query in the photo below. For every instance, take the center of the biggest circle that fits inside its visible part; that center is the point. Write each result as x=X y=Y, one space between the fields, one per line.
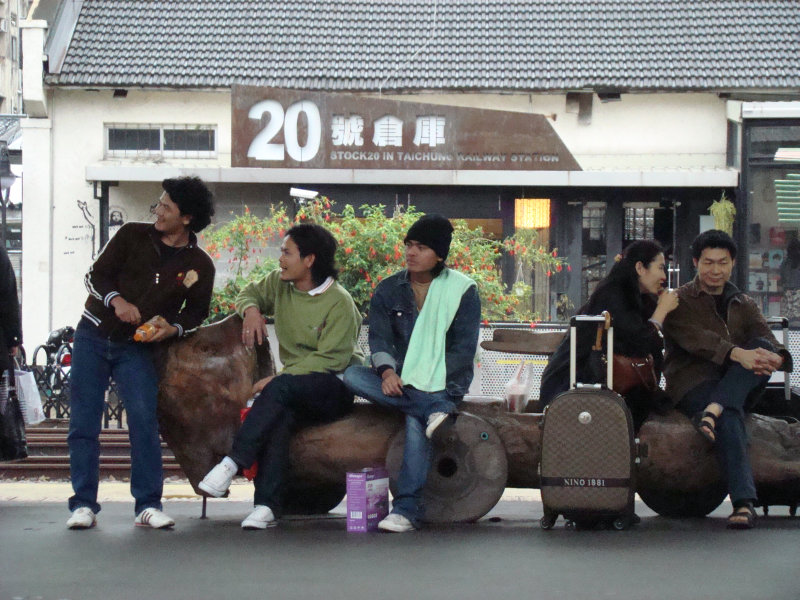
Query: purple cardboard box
x=367 y=498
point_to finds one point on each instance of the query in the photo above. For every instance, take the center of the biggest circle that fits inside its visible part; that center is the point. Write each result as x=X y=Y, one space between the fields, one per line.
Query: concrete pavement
x=504 y=555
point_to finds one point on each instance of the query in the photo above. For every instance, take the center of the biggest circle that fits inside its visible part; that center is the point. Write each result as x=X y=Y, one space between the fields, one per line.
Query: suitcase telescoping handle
x=604 y=323
x=783 y=322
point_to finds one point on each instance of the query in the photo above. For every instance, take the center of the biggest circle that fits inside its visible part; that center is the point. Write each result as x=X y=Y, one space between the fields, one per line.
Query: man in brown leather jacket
x=720 y=353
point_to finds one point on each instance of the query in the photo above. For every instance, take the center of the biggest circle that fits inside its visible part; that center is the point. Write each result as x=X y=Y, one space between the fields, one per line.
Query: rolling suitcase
x=588 y=448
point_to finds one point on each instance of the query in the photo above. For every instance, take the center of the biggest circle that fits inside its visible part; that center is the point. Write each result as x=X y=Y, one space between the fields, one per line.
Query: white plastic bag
x=30 y=402
x=518 y=388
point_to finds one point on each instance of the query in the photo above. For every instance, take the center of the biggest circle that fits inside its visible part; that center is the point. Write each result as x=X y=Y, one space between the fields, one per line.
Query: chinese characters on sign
x=388 y=132
x=291 y=129
x=346 y=131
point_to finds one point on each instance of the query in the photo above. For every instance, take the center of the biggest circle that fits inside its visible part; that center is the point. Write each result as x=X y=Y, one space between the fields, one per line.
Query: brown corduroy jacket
x=698 y=341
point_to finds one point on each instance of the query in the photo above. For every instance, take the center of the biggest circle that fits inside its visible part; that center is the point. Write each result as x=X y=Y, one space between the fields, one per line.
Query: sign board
x=278 y=128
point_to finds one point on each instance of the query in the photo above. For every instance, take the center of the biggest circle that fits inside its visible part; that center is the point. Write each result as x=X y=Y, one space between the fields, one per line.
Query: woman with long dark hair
x=633 y=293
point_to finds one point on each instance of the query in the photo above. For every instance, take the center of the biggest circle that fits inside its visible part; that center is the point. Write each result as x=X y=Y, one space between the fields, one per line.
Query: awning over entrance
x=712 y=178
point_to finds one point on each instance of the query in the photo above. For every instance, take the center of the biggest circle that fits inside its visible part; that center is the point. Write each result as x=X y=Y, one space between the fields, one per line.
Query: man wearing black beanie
x=423 y=333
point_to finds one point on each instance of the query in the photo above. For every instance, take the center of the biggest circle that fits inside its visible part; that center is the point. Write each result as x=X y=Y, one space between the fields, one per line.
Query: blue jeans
x=417 y=406
x=735 y=391
x=287 y=402
x=95 y=359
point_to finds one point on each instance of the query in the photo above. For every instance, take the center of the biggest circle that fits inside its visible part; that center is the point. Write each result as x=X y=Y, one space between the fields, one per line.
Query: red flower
x=555 y=253
x=486 y=321
x=558 y=268
x=549 y=273
x=348 y=250
x=569 y=268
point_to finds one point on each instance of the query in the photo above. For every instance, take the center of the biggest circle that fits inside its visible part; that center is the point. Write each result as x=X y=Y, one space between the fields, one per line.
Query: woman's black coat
x=634 y=335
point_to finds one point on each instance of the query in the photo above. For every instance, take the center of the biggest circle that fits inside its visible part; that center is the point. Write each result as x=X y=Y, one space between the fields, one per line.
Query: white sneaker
x=396 y=523
x=152 y=517
x=82 y=518
x=218 y=479
x=260 y=518
x=434 y=420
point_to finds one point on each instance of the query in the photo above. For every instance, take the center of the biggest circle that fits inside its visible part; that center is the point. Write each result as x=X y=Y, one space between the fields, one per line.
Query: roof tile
x=356 y=45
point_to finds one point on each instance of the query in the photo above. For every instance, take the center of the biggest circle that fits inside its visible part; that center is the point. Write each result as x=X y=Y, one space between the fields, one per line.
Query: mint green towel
x=424 y=366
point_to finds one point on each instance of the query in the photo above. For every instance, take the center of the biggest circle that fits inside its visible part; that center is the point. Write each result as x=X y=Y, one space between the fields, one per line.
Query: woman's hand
x=392 y=385
x=667 y=302
x=253 y=329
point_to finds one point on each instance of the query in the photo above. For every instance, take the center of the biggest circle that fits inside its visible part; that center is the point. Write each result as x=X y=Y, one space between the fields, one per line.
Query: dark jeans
x=287 y=402
x=736 y=391
x=417 y=407
x=94 y=359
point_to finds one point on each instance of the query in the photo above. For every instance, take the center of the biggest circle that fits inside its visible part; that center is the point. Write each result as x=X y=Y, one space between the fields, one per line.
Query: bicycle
x=50 y=364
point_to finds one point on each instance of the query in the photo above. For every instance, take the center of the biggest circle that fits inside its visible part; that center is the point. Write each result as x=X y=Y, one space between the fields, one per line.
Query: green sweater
x=316 y=334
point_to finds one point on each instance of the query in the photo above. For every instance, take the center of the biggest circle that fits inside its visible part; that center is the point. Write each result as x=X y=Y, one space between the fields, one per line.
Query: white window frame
x=160 y=152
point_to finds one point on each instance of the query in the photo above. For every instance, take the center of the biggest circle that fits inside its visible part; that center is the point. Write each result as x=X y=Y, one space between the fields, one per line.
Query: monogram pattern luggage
x=588 y=449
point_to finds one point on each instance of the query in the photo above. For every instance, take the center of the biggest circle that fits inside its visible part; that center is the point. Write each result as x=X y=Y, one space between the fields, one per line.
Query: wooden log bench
x=206 y=379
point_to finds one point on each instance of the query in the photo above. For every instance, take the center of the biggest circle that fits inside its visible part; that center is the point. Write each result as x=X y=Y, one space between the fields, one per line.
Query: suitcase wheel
x=621 y=523
x=547 y=522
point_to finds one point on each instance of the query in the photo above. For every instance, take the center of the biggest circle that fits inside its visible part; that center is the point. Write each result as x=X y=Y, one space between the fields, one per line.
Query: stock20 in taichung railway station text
x=276 y=128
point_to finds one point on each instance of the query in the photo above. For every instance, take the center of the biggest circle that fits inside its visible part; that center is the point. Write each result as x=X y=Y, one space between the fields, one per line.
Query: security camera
x=300 y=193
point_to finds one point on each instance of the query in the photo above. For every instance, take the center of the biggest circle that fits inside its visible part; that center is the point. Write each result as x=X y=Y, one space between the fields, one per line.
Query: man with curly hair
x=146 y=273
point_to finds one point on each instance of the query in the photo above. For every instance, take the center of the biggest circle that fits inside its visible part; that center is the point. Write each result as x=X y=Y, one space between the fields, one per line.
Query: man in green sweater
x=317 y=325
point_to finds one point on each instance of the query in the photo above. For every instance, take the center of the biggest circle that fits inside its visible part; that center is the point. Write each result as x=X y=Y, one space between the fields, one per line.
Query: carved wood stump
x=206 y=380
x=468 y=473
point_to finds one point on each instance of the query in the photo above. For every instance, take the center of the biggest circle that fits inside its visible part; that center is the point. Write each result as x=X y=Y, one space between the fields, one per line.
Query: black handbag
x=13 y=444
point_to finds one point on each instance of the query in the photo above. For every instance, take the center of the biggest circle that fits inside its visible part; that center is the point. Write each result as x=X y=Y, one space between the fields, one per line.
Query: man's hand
x=392 y=385
x=261 y=384
x=759 y=360
x=163 y=331
x=125 y=311
x=254 y=329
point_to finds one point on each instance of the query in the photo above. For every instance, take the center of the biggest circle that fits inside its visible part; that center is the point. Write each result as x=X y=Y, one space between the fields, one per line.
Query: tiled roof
x=408 y=45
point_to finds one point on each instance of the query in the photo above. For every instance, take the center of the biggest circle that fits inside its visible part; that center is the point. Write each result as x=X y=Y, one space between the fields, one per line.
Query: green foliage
x=371 y=248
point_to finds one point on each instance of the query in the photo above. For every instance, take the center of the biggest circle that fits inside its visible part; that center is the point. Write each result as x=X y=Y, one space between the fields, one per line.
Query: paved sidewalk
x=504 y=555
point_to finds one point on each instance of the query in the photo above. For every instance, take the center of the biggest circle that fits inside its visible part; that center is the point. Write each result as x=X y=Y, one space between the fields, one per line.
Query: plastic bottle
x=144 y=332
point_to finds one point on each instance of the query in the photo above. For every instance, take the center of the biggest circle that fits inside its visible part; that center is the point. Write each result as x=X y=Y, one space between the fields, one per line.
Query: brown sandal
x=742 y=517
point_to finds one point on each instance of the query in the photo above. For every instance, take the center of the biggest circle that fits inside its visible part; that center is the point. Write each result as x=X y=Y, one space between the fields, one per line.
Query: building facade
x=616 y=114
